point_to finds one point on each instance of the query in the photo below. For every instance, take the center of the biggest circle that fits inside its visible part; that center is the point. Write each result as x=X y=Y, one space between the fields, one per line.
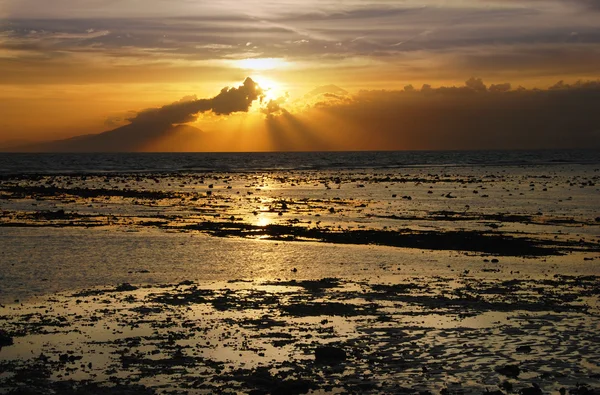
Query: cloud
x=505 y=87
x=476 y=84
x=400 y=41
x=229 y=100
x=326 y=89
x=462 y=117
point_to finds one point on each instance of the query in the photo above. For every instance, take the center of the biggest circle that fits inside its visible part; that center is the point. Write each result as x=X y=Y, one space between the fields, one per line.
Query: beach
x=316 y=277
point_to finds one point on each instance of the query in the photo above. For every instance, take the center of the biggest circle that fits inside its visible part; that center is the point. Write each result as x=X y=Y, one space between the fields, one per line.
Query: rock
x=5 y=339
x=125 y=287
x=533 y=390
x=509 y=370
x=583 y=389
x=524 y=349
x=507 y=386
x=495 y=260
x=329 y=355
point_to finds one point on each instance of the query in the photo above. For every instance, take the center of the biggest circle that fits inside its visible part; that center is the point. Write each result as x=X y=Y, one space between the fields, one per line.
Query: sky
x=325 y=75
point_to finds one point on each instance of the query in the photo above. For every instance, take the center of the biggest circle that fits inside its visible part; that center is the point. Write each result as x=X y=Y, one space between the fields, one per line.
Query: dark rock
x=5 y=339
x=507 y=386
x=329 y=355
x=524 y=349
x=582 y=389
x=533 y=390
x=509 y=370
x=125 y=287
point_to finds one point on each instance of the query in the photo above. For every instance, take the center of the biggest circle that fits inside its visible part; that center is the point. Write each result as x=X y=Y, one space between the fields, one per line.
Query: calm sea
x=52 y=163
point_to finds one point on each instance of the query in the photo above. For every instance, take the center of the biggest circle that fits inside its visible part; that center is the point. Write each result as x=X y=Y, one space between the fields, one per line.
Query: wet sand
x=410 y=335
x=386 y=281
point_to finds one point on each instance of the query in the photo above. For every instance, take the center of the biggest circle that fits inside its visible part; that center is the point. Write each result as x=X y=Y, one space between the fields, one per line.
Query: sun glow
x=261 y=64
x=263 y=220
x=271 y=88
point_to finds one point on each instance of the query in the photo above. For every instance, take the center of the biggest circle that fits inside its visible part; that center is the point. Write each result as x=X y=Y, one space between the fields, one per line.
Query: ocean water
x=50 y=163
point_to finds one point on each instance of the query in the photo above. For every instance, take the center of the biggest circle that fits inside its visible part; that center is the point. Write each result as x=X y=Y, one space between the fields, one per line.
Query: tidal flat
x=458 y=280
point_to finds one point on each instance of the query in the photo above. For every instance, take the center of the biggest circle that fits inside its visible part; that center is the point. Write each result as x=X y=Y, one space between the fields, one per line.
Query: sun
x=272 y=89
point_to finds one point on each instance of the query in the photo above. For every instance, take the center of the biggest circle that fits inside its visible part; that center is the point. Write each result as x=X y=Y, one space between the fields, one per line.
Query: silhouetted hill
x=128 y=138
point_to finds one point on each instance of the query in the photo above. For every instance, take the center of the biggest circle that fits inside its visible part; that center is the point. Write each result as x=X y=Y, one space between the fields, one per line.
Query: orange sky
x=77 y=68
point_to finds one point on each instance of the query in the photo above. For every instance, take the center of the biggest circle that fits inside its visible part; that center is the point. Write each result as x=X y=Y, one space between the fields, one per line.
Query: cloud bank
x=473 y=116
x=470 y=116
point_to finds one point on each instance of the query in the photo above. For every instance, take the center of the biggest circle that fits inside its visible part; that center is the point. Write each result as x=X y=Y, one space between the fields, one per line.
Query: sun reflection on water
x=263 y=220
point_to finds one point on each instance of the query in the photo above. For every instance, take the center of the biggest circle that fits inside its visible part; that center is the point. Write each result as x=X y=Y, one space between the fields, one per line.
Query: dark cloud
x=587 y=4
x=500 y=87
x=229 y=100
x=476 y=84
x=465 y=117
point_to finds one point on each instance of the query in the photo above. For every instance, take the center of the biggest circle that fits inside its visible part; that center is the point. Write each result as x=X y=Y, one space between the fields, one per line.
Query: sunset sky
x=331 y=75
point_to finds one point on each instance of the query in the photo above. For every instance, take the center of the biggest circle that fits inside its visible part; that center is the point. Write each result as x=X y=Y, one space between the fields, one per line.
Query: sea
x=64 y=163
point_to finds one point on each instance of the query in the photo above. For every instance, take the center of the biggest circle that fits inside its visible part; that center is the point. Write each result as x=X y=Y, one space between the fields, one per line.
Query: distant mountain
x=10 y=145
x=129 y=138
